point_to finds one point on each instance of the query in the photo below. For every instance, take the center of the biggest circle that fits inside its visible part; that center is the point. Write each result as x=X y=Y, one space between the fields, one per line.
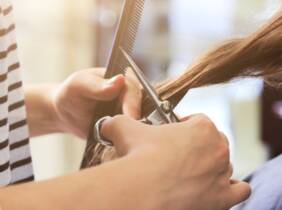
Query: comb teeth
x=125 y=36
x=133 y=25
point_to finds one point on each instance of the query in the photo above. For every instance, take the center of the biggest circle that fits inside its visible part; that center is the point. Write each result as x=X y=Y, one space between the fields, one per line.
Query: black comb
x=125 y=38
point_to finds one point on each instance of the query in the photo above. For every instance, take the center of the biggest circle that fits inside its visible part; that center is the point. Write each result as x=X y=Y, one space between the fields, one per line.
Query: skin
x=57 y=109
x=184 y=165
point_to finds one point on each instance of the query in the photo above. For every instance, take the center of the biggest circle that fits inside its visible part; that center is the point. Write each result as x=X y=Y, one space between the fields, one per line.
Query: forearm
x=42 y=118
x=111 y=186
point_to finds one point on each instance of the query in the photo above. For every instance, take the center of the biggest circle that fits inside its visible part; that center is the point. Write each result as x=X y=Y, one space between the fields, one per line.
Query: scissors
x=163 y=113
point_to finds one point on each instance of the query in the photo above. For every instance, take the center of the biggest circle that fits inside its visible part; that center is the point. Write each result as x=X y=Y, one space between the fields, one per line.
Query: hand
x=184 y=166
x=75 y=100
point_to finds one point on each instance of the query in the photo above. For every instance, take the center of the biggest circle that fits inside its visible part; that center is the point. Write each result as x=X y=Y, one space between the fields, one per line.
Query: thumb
x=239 y=192
x=102 y=89
x=112 y=88
x=123 y=132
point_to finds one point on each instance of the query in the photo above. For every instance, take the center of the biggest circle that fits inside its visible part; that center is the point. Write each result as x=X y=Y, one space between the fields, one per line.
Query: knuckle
x=223 y=152
x=99 y=71
x=224 y=137
x=113 y=126
x=204 y=122
x=75 y=75
x=72 y=83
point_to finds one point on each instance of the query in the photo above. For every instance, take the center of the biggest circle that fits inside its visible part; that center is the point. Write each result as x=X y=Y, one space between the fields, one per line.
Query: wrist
x=41 y=113
x=52 y=108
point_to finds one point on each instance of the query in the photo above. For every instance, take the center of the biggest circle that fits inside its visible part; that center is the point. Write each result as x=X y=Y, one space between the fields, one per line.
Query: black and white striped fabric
x=15 y=159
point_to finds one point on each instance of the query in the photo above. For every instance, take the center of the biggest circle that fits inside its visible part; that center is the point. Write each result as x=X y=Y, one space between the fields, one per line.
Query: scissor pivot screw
x=166 y=106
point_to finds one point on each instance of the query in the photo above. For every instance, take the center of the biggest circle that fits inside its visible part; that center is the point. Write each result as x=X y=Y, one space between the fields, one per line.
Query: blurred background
x=58 y=37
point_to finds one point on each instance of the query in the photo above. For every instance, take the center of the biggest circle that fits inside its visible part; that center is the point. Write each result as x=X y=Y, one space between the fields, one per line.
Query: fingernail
x=112 y=80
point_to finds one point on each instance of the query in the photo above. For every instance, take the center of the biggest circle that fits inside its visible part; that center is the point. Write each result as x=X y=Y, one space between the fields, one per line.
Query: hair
x=256 y=55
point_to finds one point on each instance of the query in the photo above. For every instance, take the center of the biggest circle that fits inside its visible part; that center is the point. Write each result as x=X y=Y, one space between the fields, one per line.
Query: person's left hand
x=75 y=99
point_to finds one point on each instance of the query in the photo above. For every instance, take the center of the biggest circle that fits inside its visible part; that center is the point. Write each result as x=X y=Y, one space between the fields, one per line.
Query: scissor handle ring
x=97 y=134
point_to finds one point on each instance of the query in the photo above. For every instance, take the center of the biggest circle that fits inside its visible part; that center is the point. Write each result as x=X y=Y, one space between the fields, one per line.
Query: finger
x=239 y=191
x=187 y=118
x=122 y=131
x=132 y=77
x=97 y=71
x=132 y=99
x=199 y=118
x=112 y=88
x=97 y=88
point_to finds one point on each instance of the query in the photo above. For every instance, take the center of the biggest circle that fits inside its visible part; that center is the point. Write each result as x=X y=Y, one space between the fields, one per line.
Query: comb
x=125 y=38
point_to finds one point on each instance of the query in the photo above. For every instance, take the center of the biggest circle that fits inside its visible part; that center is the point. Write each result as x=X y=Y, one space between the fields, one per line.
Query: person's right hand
x=185 y=166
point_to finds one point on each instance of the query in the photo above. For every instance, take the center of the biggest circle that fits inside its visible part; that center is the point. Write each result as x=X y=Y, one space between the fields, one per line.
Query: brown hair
x=259 y=54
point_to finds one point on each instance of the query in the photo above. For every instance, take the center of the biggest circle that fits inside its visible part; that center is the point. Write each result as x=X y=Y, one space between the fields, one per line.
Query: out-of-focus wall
x=55 y=38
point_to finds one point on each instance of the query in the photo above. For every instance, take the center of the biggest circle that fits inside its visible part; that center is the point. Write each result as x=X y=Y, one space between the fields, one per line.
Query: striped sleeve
x=15 y=158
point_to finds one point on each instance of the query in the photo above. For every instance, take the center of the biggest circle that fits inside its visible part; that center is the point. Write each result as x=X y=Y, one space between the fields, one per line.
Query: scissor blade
x=141 y=77
x=156 y=119
x=159 y=115
x=147 y=86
